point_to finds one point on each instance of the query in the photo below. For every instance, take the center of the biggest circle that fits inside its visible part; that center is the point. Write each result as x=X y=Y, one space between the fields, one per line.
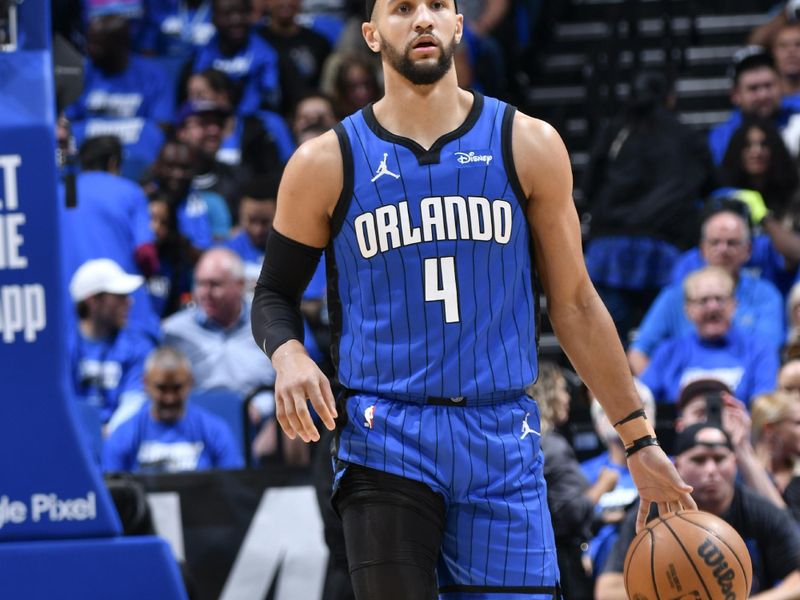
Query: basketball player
x=431 y=203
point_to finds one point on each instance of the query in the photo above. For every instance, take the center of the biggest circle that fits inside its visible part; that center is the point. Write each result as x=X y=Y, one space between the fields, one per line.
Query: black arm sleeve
x=288 y=267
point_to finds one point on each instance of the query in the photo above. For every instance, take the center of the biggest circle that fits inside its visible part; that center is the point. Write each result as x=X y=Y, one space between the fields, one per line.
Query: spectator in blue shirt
x=201 y=124
x=257 y=204
x=170 y=288
x=141 y=140
x=106 y=358
x=252 y=145
x=775 y=247
x=110 y=220
x=118 y=84
x=716 y=348
x=238 y=51
x=202 y=215
x=725 y=243
x=756 y=91
x=176 y=28
x=168 y=434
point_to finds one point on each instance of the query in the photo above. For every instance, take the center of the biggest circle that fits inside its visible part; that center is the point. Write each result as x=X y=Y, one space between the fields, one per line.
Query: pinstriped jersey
x=430 y=272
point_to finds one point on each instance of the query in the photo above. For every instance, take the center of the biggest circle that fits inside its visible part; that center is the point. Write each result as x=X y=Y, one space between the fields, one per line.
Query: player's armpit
x=309 y=191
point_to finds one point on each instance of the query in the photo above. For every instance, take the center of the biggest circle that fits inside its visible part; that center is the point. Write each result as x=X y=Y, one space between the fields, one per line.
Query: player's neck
x=422 y=113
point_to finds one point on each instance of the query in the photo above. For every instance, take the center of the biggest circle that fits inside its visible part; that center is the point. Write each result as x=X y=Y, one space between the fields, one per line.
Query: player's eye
x=437 y=5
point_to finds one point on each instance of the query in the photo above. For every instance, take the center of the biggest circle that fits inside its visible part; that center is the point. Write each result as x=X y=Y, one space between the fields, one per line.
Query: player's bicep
x=310 y=188
x=546 y=178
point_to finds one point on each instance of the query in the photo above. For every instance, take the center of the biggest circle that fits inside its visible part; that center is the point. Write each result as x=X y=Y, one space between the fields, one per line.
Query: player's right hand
x=658 y=481
x=298 y=380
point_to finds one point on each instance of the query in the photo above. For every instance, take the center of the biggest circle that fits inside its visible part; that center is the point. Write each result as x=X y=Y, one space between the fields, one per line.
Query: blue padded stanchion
x=54 y=509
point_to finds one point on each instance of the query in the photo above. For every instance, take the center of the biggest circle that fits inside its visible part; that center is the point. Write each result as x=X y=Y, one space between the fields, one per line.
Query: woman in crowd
x=758 y=160
x=776 y=434
x=355 y=85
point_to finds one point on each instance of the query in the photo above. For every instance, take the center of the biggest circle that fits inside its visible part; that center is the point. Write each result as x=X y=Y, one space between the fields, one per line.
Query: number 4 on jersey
x=440 y=285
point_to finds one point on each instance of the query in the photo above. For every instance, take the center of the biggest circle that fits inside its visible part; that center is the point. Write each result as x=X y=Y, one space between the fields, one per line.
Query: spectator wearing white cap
x=106 y=358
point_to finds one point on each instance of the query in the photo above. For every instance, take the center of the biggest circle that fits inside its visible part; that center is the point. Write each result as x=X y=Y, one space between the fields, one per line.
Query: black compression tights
x=393 y=532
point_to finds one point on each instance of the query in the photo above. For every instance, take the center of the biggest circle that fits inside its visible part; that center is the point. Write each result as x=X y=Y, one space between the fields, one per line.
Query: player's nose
x=423 y=17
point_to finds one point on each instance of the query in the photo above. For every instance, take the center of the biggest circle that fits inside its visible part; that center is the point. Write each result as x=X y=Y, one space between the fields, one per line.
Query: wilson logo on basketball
x=713 y=557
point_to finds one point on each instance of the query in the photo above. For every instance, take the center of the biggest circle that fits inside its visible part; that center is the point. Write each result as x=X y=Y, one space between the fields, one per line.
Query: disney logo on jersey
x=473 y=158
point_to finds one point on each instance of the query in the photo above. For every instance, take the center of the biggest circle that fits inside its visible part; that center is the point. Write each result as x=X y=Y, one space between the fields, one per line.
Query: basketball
x=688 y=555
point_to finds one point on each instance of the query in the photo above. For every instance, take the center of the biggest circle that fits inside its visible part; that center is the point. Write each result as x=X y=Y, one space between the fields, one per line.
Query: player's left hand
x=658 y=481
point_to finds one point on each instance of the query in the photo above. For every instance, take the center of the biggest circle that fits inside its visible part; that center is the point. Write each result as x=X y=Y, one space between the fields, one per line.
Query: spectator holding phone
x=712 y=401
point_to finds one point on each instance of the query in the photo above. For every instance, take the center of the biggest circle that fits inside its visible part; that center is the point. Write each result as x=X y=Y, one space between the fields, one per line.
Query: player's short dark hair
x=96 y=153
x=262 y=188
x=369 y=6
x=750 y=58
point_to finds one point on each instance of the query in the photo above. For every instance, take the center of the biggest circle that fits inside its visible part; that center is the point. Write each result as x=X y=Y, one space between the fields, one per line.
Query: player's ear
x=459 y=27
x=371 y=36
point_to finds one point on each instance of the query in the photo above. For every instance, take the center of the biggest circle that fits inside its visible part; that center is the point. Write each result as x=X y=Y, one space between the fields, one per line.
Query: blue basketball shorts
x=486 y=462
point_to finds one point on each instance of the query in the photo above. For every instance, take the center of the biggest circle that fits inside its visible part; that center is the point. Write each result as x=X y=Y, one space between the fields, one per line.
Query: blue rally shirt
x=100 y=228
x=141 y=90
x=108 y=372
x=141 y=141
x=747 y=363
x=254 y=69
x=759 y=310
x=199 y=441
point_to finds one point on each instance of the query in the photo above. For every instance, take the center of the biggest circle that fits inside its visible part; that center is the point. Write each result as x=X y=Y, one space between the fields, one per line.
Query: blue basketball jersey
x=430 y=272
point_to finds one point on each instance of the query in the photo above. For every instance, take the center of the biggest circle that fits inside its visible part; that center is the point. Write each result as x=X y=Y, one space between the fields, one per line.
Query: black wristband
x=639 y=412
x=642 y=442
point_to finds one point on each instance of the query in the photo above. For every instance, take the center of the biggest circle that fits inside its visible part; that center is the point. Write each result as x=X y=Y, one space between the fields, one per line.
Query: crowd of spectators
x=693 y=245
x=190 y=109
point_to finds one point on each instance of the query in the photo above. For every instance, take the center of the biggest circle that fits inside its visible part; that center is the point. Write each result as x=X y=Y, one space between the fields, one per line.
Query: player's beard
x=416 y=73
